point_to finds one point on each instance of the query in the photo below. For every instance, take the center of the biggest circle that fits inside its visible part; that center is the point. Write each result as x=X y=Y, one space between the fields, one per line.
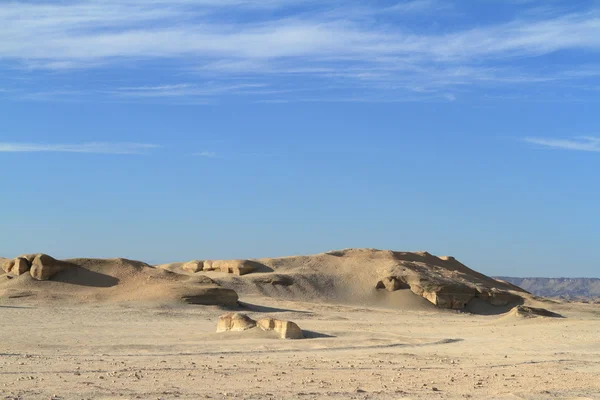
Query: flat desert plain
x=70 y=339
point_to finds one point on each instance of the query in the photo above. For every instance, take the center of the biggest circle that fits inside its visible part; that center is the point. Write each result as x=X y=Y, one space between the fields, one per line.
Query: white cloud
x=185 y=90
x=97 y=148
x=335 y=41
x=418 y=6
x=208 y=154
x=67 y=33
x=584 y=143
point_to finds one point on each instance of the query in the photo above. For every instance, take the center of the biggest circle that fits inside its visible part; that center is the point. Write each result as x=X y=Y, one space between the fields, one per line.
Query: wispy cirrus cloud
x=583 y=143
x=419 y=6
x=185 y=90
x=92 y=148
x=207 y=154
x=288 y=46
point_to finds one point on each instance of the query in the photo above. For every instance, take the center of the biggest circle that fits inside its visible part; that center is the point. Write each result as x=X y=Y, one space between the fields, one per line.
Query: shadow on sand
x=315 y=335
x=17 y=307
x=76 y=275
x=482 y=307
x=265 y=309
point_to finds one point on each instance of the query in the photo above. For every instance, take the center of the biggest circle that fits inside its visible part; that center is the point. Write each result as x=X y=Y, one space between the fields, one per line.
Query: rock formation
x=236 y=267
x=445 y=282
x=285 y=329
x=8 y=265
x=21 y=266
x=193 y=266
x=235 y=322
x=44 y=267
x=17 y=266
x=367 y=276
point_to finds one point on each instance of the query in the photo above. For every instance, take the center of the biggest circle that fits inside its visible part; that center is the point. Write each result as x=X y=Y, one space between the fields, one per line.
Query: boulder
x=18 y=266
x=237 y=267
x=45 y=267
x=21 y=265
x=193 y=266
x=285 y=329
x=235 y=322
x=8 y=265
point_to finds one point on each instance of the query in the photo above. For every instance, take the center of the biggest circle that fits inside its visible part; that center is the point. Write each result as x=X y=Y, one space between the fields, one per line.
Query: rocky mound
x=370 y=276
x=446 y=282
x=45 y=278
x=237 y=322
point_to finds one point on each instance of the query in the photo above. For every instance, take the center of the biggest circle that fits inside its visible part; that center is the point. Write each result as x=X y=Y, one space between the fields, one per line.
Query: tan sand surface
x=158 y=351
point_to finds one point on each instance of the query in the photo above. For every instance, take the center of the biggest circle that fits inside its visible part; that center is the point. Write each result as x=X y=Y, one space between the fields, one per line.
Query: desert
x=357 y=323
x=299 y=199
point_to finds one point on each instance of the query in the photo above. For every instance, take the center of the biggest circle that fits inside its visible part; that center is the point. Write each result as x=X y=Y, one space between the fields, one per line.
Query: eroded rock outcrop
x=45 y=267
x=20 y=266
x=235 y=322
x=193 y=266
x=446 y=282
x=17 y=266
x=8 y=265
x=236 y=267
x=285 y=329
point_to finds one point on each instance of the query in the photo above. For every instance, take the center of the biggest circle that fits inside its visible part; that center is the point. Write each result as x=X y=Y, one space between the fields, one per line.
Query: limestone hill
x=98 y=280
x=361 y=276
x=370 y=277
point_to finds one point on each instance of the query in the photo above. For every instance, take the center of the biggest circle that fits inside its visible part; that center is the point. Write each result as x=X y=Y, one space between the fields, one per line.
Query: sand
x=102 y=343
x=136 y=351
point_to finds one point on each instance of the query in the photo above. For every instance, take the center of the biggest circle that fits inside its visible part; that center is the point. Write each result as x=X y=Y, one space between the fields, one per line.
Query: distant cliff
x=558 y=287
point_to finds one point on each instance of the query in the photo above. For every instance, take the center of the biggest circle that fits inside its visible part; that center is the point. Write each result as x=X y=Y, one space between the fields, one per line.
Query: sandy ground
x=153 y=351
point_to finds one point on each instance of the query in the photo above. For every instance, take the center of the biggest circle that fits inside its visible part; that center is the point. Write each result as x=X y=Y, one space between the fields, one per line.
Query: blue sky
x=172 y=130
